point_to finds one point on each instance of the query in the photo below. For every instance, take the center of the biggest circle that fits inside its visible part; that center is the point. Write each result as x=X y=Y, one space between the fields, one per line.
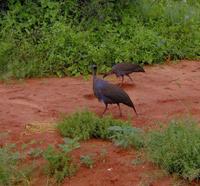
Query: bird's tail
x=107 y=74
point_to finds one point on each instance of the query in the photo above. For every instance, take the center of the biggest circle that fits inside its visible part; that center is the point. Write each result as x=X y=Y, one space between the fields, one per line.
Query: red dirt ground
x=162 y=93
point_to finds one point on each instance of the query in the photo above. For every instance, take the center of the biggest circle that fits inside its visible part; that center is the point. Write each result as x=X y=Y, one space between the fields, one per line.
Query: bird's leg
x=122 y=80
x=119 y=109
x=105 y=109
x=130 y=77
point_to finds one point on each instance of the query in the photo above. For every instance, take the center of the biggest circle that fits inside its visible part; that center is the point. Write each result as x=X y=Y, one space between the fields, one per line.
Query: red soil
x=162 y=93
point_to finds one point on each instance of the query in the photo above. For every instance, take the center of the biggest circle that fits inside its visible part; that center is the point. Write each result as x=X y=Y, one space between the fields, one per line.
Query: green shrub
x=79 y=125
x=176 y=148
x=127 y=137
x=59 y=164
x=85 y=125
x=102 y=129
x=12 y=172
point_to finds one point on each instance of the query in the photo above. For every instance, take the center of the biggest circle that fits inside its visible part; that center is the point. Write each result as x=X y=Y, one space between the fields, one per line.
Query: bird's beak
x=105 y=75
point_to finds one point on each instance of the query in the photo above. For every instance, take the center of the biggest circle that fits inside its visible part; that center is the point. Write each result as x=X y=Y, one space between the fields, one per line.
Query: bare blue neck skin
x=94 y=73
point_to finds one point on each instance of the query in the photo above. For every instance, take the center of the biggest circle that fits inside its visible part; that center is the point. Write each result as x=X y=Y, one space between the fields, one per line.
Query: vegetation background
x=47 y=37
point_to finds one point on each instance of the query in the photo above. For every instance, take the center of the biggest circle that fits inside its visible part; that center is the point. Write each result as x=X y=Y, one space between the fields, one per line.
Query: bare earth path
x=163 y=92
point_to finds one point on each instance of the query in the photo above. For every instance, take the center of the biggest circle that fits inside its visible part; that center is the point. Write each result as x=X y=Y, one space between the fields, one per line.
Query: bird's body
x=124 y=69
x=109 y=93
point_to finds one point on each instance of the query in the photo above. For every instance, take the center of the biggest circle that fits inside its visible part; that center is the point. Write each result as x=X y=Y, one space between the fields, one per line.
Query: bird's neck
x=94 y=76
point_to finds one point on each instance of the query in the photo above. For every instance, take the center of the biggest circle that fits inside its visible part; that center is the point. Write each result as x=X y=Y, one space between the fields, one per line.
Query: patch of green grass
x=127 y=136
x=12 y=171
x=59 y=164
x=177 y=148
x=86 y=125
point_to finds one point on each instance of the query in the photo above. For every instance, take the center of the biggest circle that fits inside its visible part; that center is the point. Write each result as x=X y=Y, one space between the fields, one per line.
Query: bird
x=109 y=93
x=124 y=69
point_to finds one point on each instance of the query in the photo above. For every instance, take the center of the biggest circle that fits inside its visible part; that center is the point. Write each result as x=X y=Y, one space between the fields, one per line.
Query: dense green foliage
x=85 y=125
x=176 y=148
x=49 y=37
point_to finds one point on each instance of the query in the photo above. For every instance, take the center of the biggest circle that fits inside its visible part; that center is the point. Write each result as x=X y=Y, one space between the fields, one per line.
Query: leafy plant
x=69 y=145
x=80 y=125
x=127 y=136
x=59 y=164
x=87 y=160
x=85 y=125
x=12 y=171
x=176 y=148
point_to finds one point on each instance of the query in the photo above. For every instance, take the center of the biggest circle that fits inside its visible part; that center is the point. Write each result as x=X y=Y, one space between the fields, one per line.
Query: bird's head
x=139 y=69
x=94 y=68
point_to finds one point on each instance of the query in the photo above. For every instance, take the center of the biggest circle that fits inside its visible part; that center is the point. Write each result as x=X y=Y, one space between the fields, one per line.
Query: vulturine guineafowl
x=124 y=69
x=109 y=93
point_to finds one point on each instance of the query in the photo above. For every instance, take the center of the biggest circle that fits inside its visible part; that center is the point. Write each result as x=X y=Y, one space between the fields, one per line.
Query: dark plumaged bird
x=124 y=69
x=109 y=93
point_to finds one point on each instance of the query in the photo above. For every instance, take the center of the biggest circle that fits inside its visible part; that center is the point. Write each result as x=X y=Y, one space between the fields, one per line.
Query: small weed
x=69 y=145
x=139 y=159
x=24 y=146
x=87 y=160
x=103 y=155
x=59 y=164
x=35 y=152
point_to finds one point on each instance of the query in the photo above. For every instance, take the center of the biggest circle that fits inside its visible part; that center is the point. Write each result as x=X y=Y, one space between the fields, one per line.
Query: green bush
x=79 y=125
x=11 y=170
x=127 y=137
x=85 y=125
x=176 y=148
x=59 y=164
x=49 y=37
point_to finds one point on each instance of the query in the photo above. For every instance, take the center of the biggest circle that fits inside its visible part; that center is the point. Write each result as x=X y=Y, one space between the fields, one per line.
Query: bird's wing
x=124 y=67
x=116 y=94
